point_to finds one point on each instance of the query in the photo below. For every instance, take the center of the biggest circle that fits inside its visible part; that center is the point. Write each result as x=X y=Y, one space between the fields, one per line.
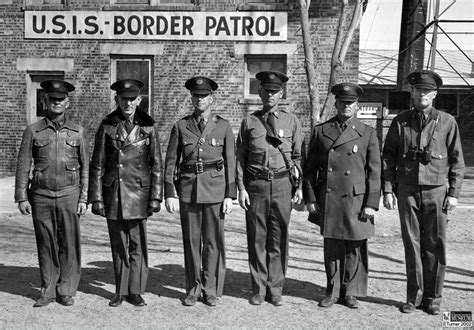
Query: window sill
x=265 y=7
x=183 y=7
x=45 y=7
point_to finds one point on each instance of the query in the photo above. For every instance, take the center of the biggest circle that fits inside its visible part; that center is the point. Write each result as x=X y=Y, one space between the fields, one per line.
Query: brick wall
x=179 y=61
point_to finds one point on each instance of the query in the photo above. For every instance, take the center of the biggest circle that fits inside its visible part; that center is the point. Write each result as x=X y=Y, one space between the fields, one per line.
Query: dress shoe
x=117 y=300
x=276 y=300
x=408 y=308
x=256 y=299
x=136 y=300
x=351 y=302
x=43 y=301
x=65 y=300
x=190 y=300
x=327 y=302
x=433 y=309
x=210 y=301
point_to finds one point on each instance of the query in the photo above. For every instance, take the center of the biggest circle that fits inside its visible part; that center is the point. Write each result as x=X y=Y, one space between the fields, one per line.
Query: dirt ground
x=304 y=287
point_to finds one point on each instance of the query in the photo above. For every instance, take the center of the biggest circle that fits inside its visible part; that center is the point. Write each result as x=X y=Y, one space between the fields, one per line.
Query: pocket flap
x=215 y=173
x=72 y=166
x=72 y=143
x=108 y=181
x=146 y=181
x=359 y=188
x=438 y=155
x=41 y=143
x=41 y=166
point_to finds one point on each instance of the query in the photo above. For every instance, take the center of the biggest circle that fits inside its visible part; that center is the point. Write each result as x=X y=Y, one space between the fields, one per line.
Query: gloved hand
x=98 y=208
x=153 y=206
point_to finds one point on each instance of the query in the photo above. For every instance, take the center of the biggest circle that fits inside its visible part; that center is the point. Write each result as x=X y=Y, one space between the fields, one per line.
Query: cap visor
x=201 y=92
x=347 y=98
x=128 y=94
x=273 y=87
x=57 y=95
x=426 y=86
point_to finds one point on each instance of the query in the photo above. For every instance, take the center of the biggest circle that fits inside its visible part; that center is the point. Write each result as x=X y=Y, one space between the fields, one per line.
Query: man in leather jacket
x=126 y=188
x=56 y=195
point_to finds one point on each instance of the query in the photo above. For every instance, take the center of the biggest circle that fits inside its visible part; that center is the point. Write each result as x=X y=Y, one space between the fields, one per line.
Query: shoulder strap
x=201 y=140
x=275 y=140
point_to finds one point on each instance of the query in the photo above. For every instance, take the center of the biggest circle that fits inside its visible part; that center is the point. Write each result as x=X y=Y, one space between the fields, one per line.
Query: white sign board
x=232 y=26
x=370 y=110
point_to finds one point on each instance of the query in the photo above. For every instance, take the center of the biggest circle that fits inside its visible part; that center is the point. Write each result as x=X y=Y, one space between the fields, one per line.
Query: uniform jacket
x=213 y=185
x=126 y=169
x=61 y=161
x=441 y=134
x=255 y=153
x=342 y=175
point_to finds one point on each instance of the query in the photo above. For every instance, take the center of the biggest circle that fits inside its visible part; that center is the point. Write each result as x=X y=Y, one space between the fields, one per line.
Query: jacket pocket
x=72 y=173
x=145 y=181
x=39 y=173
x=359 y=188
x=216 y=173
x=108 y=181
x=40 y=148
x=72 y=148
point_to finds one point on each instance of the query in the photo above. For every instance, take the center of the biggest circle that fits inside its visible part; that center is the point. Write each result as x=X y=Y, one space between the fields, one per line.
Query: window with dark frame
x=139 y=68
x=257 y=63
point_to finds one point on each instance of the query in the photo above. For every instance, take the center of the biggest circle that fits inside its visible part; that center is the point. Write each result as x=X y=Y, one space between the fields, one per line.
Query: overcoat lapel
x=354 y=131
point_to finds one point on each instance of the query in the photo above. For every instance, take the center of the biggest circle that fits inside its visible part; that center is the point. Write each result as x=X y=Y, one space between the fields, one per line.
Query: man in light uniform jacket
x=342 y=191
x=264 y=159
x=57 y=193
x=201 y=148
x=422 y=148
x=126 y=187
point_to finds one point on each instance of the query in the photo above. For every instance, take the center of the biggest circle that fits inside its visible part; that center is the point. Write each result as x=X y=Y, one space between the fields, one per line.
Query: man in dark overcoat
x=264 y=159
x=56 y=195
x=126 y=187
x=200 y=183
x=342 y=190
x=422 y=149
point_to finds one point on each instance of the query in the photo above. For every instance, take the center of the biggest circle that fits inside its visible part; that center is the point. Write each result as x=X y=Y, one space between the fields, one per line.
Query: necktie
x=421 y=120
x=128 y=126
x=271 y=121
x=201 y=124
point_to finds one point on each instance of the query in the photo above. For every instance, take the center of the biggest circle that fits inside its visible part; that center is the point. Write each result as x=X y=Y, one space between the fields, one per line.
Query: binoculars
x=420 y=155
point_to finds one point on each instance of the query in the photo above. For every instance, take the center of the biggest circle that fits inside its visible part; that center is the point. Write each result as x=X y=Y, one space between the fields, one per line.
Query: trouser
x=202 y=227
x=58 y=239
x=129 y=254
x=267 y=218
x=347 y=267
x=423 y=224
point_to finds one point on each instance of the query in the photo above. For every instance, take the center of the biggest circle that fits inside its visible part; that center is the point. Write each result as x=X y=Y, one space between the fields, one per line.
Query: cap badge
x=56 y=85
x=424 y=76
x=271 y=76
x=347 y=88
x=199 y=82
x=127 y=85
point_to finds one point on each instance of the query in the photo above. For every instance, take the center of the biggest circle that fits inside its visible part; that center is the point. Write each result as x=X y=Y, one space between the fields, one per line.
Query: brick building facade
x=93 y=64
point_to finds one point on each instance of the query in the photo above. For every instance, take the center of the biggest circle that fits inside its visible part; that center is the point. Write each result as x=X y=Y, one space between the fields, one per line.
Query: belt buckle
x=199 y=167
x=270 y=175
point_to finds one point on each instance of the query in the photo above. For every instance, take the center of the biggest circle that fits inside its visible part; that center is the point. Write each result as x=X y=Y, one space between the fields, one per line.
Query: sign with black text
x=233 y=26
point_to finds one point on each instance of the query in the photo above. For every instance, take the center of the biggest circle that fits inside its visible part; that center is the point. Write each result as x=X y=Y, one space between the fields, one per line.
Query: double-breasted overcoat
x=342 y=175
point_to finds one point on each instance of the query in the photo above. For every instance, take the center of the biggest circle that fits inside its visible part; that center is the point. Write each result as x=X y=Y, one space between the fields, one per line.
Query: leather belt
x=201 y=167
x=270 y=175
